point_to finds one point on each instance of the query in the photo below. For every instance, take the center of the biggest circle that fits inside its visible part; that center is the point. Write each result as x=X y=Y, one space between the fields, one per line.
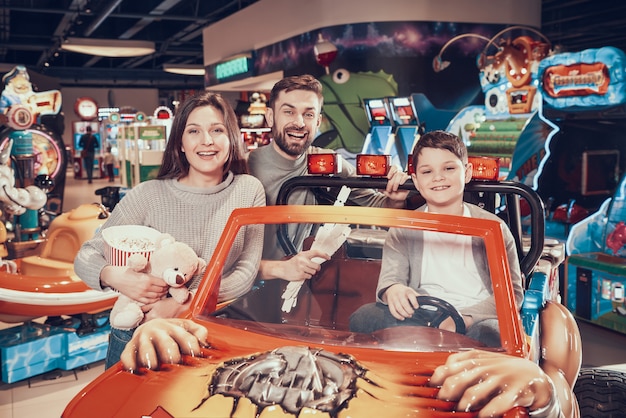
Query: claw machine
x=141 y=152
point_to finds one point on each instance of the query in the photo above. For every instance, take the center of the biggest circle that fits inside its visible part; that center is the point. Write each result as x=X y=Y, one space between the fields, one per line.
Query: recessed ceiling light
x=186 y=69
x=108 y=47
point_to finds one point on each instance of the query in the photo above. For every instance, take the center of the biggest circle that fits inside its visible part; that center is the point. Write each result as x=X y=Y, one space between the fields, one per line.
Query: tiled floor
x=45 y=396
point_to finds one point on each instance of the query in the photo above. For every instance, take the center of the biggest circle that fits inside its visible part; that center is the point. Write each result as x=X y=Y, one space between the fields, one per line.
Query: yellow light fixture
x=185 y=69
x=116 y=48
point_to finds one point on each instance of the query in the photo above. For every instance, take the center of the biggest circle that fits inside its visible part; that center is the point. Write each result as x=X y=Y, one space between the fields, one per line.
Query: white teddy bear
x=175 y=262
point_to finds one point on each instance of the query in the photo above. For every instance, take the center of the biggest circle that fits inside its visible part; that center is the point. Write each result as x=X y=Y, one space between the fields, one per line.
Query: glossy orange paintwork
x=392 y=366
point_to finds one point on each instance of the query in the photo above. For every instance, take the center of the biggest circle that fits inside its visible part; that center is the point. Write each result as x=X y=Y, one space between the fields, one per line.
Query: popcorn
x=132 y=244
x=125 y=240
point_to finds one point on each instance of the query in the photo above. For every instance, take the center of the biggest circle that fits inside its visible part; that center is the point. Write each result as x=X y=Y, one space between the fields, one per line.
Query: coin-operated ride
x=268 y=357
x=44 y=286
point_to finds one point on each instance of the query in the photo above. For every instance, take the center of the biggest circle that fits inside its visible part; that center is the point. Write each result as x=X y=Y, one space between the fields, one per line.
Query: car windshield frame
x=512 y=334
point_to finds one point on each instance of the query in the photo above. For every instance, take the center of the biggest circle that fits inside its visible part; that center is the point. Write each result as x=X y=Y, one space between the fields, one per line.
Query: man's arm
x=391 y=197
x=297 y=268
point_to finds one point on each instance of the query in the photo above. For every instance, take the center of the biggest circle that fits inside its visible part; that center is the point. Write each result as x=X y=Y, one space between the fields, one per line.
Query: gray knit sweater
x=195 y=216
x=273 y=170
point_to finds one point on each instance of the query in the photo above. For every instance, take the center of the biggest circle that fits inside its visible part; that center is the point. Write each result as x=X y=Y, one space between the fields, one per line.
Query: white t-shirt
x=449 y=271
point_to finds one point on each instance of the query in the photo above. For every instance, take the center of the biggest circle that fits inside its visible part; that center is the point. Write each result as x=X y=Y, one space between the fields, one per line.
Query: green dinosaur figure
x=345 y=124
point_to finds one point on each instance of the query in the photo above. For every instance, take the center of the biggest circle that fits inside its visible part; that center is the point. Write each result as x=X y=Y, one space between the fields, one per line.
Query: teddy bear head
x=174 y=261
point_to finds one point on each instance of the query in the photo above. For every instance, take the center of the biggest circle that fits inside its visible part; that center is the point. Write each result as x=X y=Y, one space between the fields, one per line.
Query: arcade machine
x=407 y=130
x=585 y=101
x=254 y=129
x=596 y=266
x=32 y=173
x=39 y=152
x=508 y=78
x=141 y=150
x=381 y=127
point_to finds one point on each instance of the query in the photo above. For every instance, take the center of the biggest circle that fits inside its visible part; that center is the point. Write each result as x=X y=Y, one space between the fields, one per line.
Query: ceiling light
x=185 y=69
x=108 y=47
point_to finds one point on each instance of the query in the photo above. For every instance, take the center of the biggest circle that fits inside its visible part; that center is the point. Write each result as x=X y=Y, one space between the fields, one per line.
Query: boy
x=109 y=163
x=414 y=262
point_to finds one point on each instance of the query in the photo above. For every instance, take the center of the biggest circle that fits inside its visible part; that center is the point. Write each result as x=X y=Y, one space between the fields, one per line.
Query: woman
x=202 y=179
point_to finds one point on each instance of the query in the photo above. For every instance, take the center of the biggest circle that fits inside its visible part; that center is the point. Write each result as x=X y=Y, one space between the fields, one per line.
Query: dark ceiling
x=31 y=32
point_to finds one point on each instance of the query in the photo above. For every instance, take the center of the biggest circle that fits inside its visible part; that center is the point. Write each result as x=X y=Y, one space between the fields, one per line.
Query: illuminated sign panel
x=230 y=70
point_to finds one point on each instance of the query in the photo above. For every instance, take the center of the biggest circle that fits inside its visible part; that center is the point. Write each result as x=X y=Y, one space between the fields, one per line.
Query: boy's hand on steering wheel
x=402 y=301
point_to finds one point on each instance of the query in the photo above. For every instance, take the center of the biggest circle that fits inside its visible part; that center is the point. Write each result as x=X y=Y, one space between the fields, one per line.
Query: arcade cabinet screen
x=600 y=172
x=377 y=112
x=403 y=112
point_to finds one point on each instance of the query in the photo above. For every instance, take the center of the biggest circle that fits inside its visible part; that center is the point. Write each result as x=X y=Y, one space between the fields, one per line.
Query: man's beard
x=295 y=150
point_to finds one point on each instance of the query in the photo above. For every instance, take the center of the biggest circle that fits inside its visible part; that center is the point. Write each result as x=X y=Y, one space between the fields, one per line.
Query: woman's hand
x=164 y=308
x=140 y=287
x=163 y=341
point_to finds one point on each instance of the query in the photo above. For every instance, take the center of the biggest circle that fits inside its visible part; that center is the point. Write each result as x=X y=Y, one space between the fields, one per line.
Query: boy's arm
x=395 y=266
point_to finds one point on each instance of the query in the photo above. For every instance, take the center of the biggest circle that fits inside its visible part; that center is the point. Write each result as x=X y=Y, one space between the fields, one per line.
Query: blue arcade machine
x=381 y=127
x=407 y=130
x=596 y=265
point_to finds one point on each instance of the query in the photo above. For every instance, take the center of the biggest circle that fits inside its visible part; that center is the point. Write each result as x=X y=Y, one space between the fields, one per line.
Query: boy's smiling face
x=440 y=177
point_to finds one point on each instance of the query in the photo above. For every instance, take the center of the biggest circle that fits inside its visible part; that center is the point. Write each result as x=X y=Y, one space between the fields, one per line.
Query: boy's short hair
x=440 y=140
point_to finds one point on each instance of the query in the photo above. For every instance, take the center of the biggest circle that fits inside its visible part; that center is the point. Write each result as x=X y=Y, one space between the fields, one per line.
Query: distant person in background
x=109 y=162
x=89 y=143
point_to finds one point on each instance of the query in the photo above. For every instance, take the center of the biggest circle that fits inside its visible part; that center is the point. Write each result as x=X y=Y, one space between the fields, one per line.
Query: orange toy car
x=264 y=360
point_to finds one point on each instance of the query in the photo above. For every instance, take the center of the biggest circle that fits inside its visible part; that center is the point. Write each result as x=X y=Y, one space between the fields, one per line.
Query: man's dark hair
x=296 y=82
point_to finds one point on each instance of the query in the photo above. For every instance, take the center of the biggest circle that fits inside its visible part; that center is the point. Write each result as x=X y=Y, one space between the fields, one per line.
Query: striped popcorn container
x=120 y=242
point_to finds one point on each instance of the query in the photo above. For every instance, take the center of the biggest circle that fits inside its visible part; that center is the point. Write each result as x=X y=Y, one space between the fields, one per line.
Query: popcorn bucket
x=120 y=242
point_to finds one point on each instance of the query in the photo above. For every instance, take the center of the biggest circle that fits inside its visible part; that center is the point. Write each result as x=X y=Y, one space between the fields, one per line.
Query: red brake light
x=373 y=165
x=485 y=168
x=323 y=164
x=409 y=168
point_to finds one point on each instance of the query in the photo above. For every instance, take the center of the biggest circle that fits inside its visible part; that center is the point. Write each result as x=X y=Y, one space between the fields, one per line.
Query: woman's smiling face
x=206 y=145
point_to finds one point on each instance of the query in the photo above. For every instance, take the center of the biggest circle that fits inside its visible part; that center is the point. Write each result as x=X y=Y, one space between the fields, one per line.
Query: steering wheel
x=442 y=311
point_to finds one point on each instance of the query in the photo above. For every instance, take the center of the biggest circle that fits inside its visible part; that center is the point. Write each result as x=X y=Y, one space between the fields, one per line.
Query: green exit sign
x=231 y=68
x=236 y=68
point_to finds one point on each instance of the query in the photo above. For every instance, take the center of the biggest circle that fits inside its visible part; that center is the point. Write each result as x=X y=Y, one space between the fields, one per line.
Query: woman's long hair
x=175 y=163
